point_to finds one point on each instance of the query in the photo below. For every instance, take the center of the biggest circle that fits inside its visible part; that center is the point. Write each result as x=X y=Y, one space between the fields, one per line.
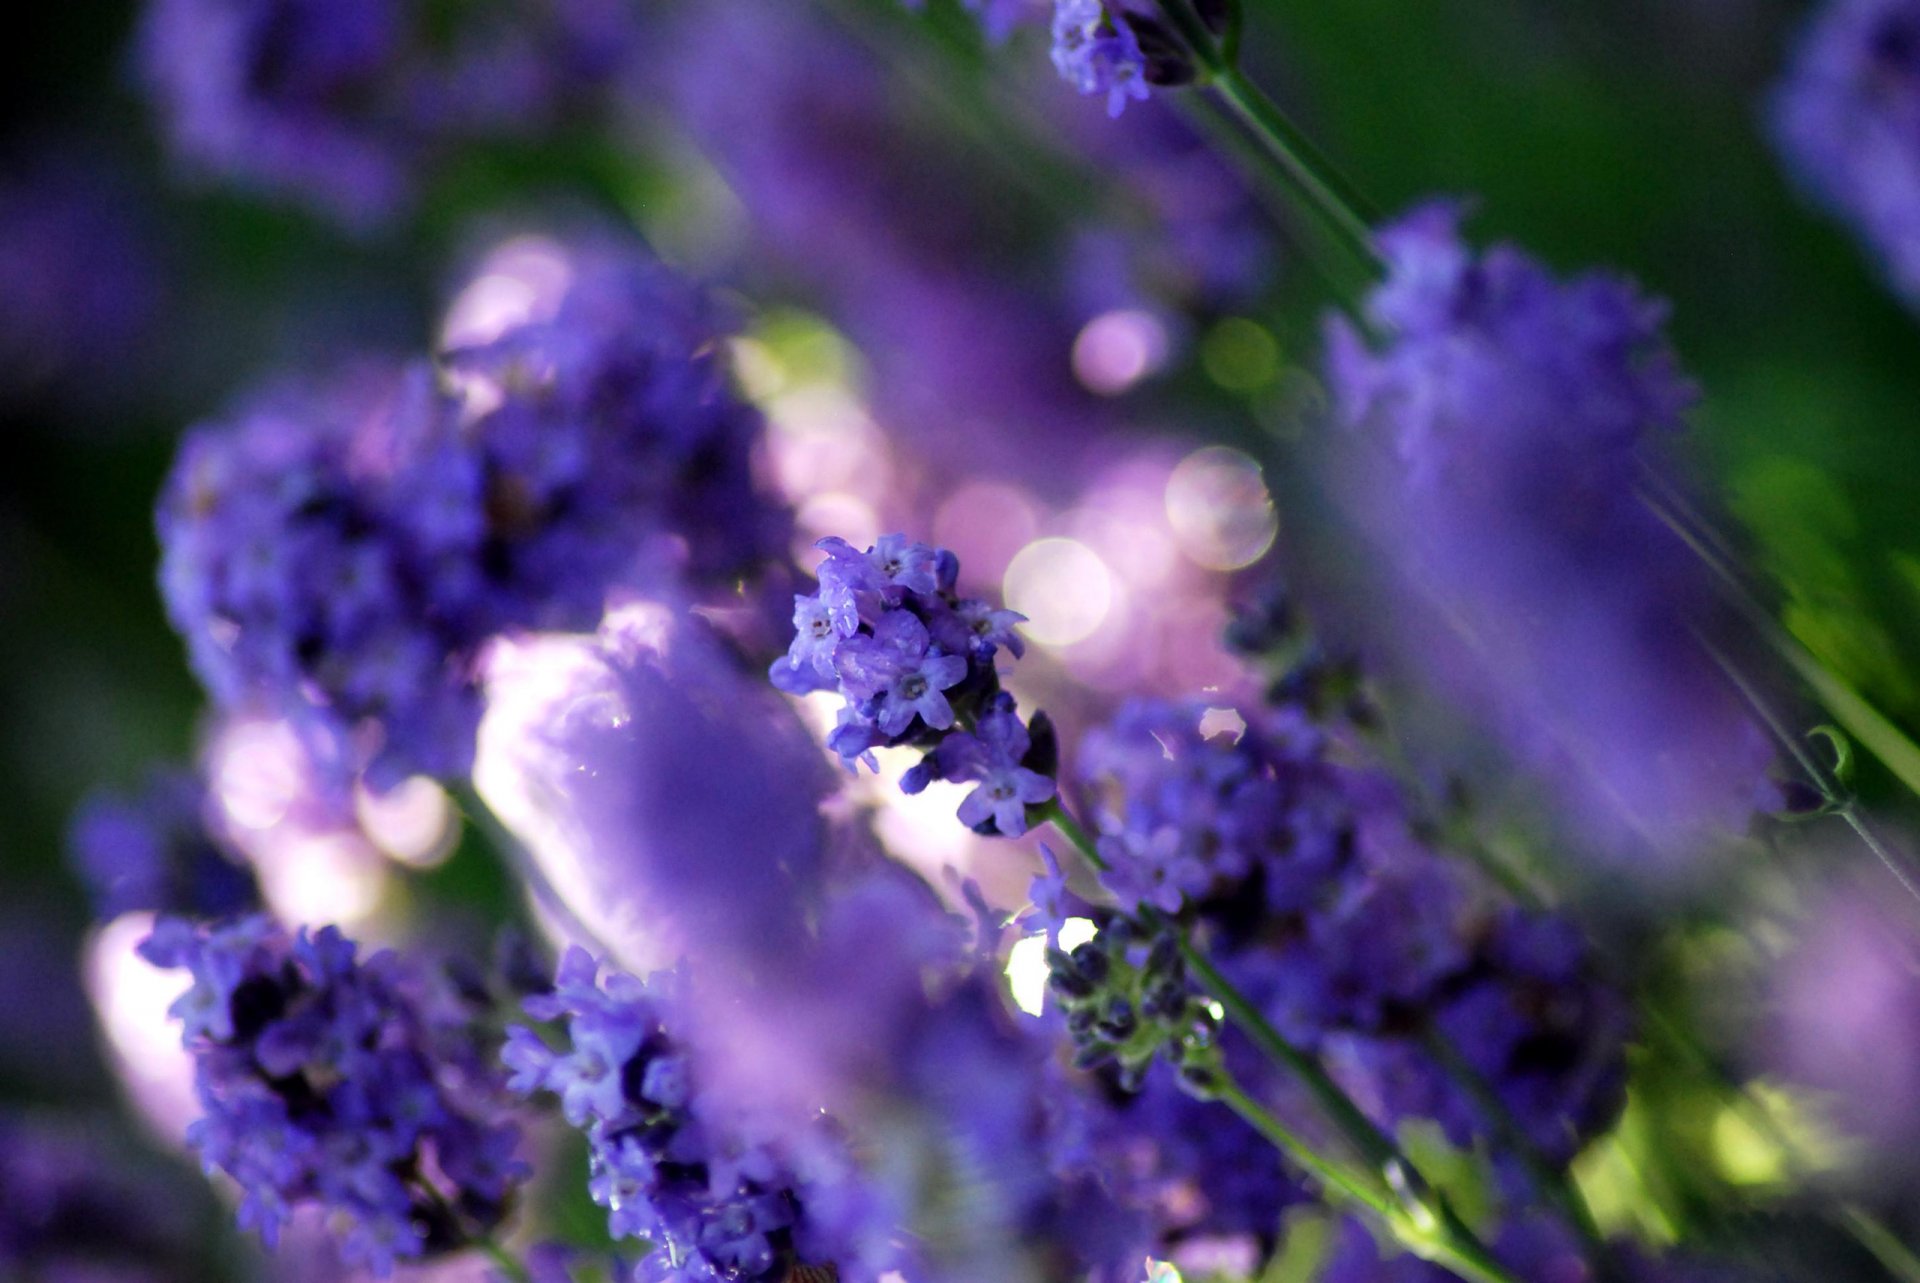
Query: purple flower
x=154 y=850
x=342 y=107
x=1847 y=119
x=677 y=1163
x=342 y=552
x=341 y=1082
x=80 y=1207
x=671 y=800
x=1505 y=434
x=1184 y=815
x=993 y=754
x=1096 y=51
x=911 y=659
x=1845 y=1003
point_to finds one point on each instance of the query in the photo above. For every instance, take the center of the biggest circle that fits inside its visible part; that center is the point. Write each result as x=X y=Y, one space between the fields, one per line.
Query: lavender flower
x=1185 y=816
x=672 y=1162
x=1323 y=905
x=915 y=664
x=1847 y=119
x=1201 y=1179
x=341 y=106
x=1096 y=50
x=596 y=441
x=285 y=567
x=342 y=1082
x=154 y=850
x=74 y=1206
x=1504 y=428
x=671 y=800
x=342 y=552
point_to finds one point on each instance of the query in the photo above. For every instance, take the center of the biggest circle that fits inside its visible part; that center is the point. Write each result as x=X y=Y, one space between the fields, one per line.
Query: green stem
x=504 y=1261
x=1549 y=1181
x=1871 y=1233
x=1074 y=832
x=1334 y=1175
x=1298 y=162
x=1417 y=1214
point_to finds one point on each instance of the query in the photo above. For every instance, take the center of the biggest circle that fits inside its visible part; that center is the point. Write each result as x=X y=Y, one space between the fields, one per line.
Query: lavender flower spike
x=915 y=664
x=343 y=1082
x=1502 y=431
x=1847 y=119
x=672 y=1161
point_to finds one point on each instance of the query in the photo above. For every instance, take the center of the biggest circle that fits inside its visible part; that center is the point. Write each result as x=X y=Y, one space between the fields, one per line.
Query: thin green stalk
x=1549 y=1181
x=1427 y=1239
x=1838 y=800
x=1871 y=1233
x=1418 y=1215
x=504 y=1261
x=1295 y=158
x=1850 y=709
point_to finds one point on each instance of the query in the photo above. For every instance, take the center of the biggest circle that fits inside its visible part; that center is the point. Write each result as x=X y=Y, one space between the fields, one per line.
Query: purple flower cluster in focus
x=1847 y=118
x=341 y=551
x=1353 y=937
x=343 y=1082
x=915 y=664
x=1096 y=50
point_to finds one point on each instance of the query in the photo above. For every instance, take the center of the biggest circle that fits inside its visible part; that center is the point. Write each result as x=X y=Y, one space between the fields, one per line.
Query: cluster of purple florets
x=915 y=664
x=340 y=105
x=1097 y=51
x=666 y=1163
x=341 y=551
x=1353 y=937
x=341 y=1082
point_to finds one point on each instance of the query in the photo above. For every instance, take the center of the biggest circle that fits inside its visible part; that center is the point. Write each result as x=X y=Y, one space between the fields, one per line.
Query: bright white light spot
x=332 y=878
x=835 y=513
x=1062 y=587
x=1075 y=932
x=522 y=280
x=1222 y=721
x=1115 y=350
x=1220 y=509
x=411 y=822
x=1027 y=963
x=130 y=999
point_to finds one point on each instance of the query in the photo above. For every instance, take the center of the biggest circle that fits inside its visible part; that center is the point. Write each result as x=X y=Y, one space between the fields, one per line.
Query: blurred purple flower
x=1847 y=119
x=75 y=1205
x=154 y=850
x=671 y=799
x=717 y=1195
x=326 y=1078
x=342 y=107
x=1846 y=1020
x=1504 y=423
x=343 y=551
